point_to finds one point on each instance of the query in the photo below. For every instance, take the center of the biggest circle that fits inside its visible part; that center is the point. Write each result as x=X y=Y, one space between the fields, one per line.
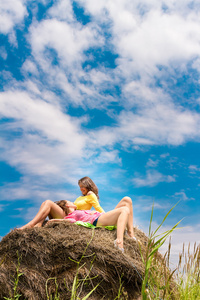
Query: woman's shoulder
x=91 y=196
x=88 y=197
x=90 y=193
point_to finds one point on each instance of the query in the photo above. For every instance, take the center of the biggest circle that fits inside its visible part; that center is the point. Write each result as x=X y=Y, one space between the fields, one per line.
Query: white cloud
x=152 y=163
x=62 y=10
x=67 y=43
x=68 y=40
x=145 y=34
x=130 y=30
x=12 y=13
x=161 y=124
x=3 y=52
x=196 y=65
x=182 y=196
x=152 y=178
x=44 y=141
x=155 y=42
x=29 y=67
x=34 y=189
x=13 y=39
x=42 y=116
x=145 y=203
x=108 y=156
x=193 y=169
x=156 y=125
x=139 y=94
x=12 y=193
x=164 y=155
x=48 y=141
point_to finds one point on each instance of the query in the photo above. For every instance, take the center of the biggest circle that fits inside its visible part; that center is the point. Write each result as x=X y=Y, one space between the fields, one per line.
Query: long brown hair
x=89 y=185
x=62 y=204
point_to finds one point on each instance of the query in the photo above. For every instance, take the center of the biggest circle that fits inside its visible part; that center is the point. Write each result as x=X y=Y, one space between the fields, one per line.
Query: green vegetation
x=188 y=281
x=156 y=285
x=56 y=294
x=179 y=284
x=16 y=296
x=186 y=278
x=79 y=283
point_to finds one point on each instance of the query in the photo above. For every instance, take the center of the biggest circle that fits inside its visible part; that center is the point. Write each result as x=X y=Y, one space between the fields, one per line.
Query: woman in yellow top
x=86 y=202
x=90 y=195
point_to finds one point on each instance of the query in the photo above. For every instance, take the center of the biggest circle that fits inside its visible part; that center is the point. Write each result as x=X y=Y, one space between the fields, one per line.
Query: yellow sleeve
x=92 y=199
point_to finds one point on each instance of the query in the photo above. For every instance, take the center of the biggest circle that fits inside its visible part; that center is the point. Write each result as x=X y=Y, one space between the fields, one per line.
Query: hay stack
x=52 y=252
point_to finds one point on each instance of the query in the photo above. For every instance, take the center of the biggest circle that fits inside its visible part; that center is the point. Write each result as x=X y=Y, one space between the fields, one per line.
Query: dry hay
x=52 y=252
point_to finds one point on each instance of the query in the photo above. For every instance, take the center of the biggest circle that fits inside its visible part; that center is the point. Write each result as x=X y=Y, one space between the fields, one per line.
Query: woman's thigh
x=111 y=217
x=56 y=211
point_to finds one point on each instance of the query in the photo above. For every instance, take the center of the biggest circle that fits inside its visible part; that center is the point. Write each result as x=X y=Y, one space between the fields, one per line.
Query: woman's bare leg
x=127 y=202
x=119 y=217
x=48 y=207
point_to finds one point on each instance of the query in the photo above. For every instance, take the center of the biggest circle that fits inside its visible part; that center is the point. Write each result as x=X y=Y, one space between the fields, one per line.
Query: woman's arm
x=92 y=199
x=57 y=220
x=71 y=205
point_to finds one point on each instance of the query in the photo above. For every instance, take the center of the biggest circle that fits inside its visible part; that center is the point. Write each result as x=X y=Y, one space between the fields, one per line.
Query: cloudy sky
x=108 y=89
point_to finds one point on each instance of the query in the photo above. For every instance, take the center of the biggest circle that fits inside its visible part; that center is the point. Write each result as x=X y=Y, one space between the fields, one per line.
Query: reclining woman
x=58 y=211
x=121 y=216
x=88 y=200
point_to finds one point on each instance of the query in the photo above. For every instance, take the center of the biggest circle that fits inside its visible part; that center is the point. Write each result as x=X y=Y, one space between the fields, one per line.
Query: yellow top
x=86 y=203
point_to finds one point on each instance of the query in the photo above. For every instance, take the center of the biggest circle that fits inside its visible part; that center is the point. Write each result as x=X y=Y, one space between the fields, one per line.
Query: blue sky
x=107 y=89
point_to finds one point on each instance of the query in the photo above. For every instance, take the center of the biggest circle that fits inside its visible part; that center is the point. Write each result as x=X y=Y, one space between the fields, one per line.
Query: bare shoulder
x=90 y=193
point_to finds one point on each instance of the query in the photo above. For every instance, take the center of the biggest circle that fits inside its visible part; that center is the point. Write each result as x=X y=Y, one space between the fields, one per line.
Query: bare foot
x=133 y=238
x=131 y=235
x=119 y=245
x=25 y=226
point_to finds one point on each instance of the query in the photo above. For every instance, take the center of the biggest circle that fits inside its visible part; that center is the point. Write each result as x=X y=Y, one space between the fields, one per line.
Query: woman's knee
x=125 y=210
x=47 y=202
x=128 y=200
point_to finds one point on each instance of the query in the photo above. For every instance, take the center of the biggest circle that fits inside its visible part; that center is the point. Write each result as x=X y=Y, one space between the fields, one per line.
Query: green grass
x=159 y=282
x=188 y=276
x=157 y=278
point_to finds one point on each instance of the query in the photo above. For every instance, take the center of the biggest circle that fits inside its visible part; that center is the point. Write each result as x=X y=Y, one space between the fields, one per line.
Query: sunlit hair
x=62 y=204
x=89 y=185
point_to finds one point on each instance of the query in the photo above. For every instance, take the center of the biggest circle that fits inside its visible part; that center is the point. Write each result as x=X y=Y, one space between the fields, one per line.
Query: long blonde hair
x=89 y=185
